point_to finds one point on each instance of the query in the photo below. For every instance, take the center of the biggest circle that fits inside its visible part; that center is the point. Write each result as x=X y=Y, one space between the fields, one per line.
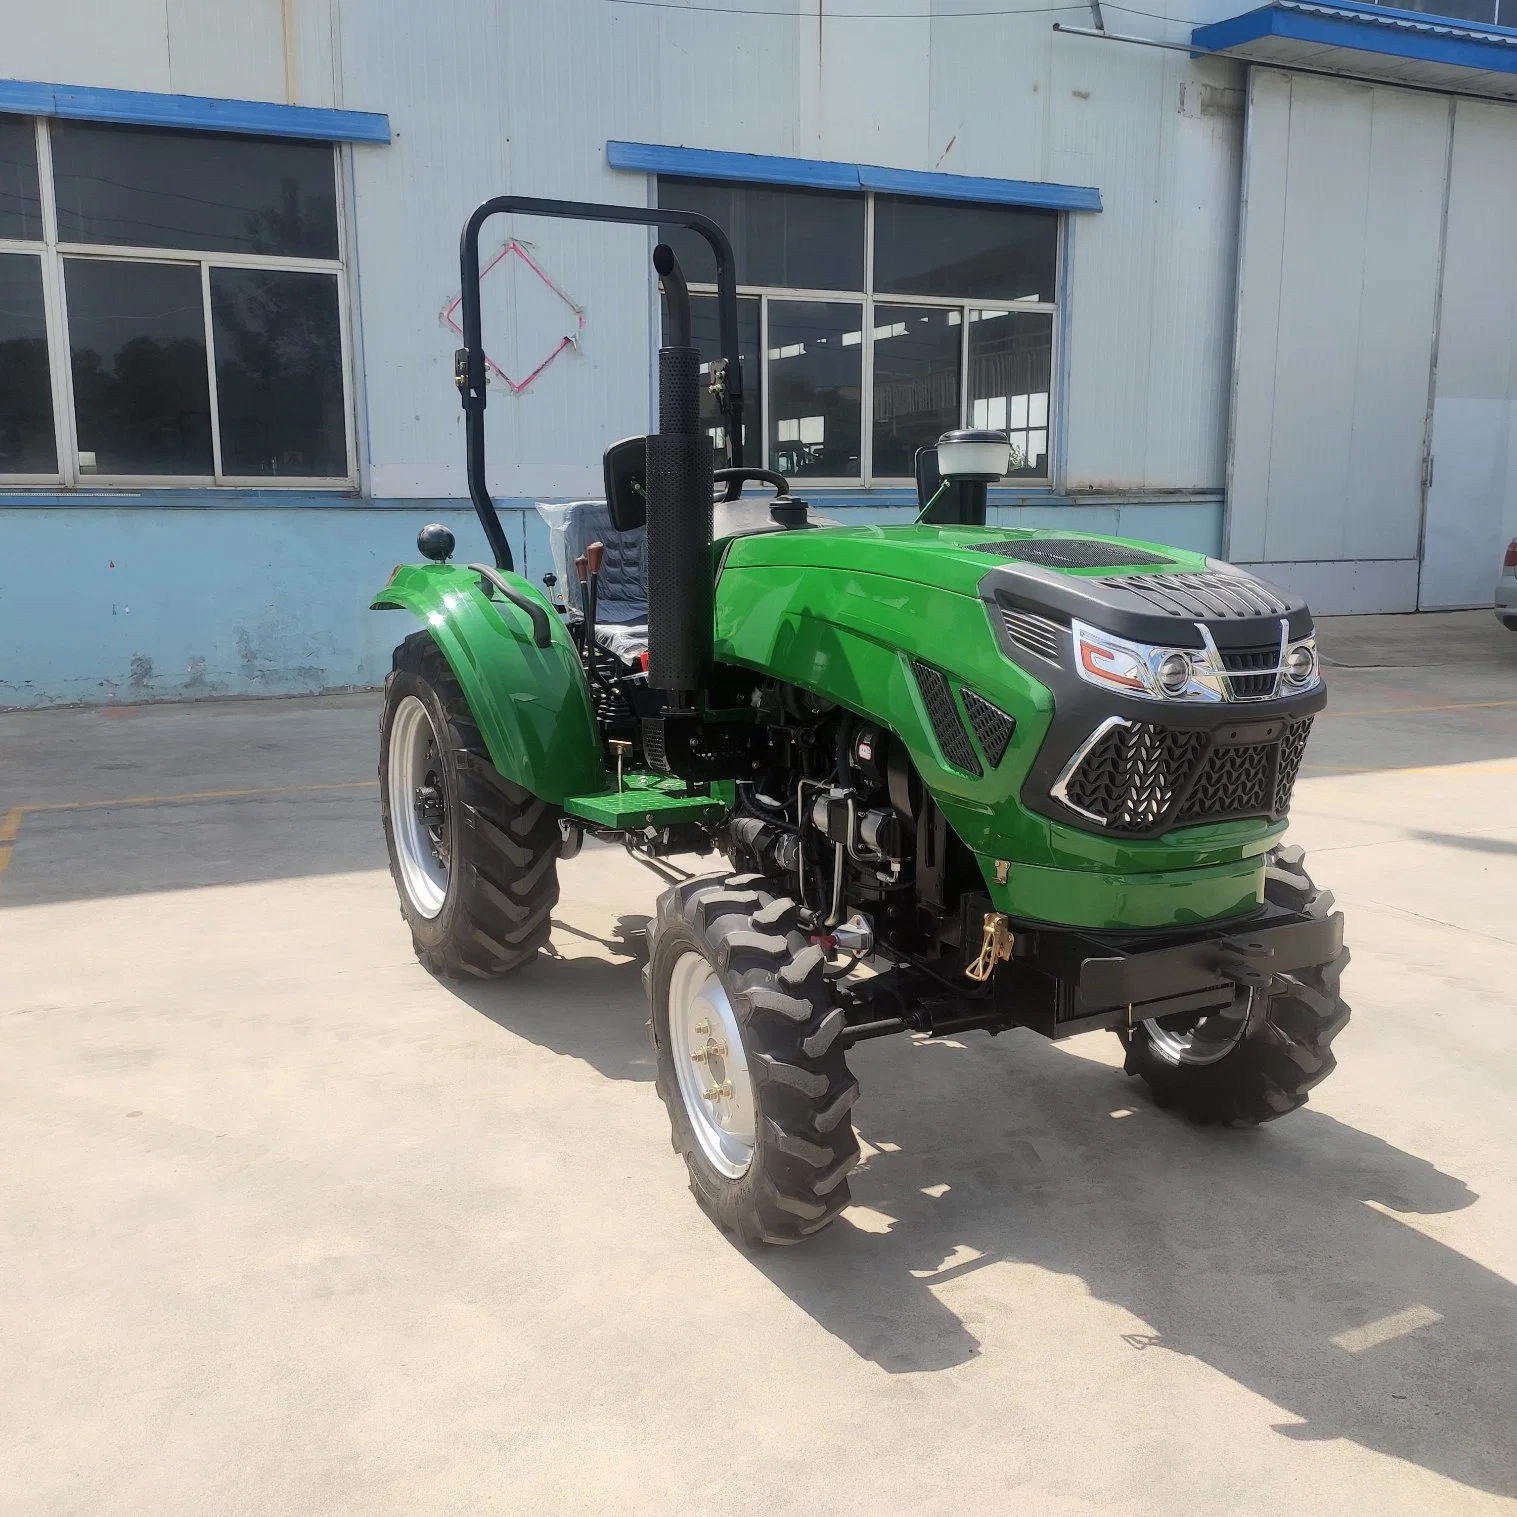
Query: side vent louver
x=1034 y=633
x=937 y=697
x=991 y=726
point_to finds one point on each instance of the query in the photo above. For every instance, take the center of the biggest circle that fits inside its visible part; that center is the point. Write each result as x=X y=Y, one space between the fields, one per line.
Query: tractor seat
x=622 y=600
x=626 y=641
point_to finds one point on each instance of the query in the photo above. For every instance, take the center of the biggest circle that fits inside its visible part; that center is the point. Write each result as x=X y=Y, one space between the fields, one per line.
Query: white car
x=1506 y=588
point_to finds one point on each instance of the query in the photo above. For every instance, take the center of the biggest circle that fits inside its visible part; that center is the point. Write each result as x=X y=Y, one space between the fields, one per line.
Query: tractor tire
x=1269 y=1070
x=474 y=856
x=740 y=1004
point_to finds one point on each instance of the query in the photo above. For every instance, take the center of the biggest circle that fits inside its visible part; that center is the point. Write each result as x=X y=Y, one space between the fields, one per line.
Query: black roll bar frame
x=469 y=362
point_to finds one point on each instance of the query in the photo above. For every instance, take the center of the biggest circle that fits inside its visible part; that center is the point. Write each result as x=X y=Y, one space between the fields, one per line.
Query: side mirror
x=973 y=454
x=625 y=467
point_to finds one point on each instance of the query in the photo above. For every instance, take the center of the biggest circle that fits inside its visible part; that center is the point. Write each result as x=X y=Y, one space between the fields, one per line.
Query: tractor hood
x=1142 y=591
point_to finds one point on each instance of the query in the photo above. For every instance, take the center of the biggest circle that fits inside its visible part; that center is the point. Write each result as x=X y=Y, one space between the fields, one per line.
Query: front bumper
x=1506 y=597
x=1076 y=982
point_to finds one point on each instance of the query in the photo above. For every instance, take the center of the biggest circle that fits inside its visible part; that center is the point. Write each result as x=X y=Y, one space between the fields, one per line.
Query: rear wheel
x=1238 y=1066
x=750 y=1062
x=474 y=856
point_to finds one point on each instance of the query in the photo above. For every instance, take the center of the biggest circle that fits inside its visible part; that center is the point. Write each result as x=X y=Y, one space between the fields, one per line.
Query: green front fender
x=532 y=705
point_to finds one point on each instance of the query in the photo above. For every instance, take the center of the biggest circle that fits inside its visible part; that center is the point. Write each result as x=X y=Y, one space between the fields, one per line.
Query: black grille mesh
x=1071 y=553
x=1252 y=672
x=1292 y=750
x=1233 y=782
x=1209 y=594
x=1131 y=777
x=938 y=699
x=1139 y=777
x=991 y=726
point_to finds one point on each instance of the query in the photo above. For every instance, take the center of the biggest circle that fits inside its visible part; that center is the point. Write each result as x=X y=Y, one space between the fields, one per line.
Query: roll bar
x=469 y=361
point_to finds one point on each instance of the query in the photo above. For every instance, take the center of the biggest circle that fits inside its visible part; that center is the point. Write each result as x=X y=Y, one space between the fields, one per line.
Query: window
x=1486 y=12
x=172 y=307
x=872 y=324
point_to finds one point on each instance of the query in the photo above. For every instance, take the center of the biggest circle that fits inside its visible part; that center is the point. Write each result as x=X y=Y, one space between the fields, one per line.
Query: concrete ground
x=288 y=1227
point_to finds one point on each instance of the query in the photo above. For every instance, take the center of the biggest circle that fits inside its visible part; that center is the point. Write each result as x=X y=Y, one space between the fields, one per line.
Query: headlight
x=1145 y=670
x=1299 y=666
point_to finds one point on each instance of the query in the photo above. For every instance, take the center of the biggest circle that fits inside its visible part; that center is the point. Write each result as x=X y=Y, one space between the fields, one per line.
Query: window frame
x=867 y=299
x=53 y=252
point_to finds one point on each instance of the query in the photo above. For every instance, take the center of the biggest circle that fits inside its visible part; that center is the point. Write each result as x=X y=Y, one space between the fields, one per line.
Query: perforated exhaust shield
x=679 y=531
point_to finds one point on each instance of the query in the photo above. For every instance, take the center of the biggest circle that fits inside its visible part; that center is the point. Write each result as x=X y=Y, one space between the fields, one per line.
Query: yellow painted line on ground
x=1327 y=769
x=1385 y=1329
x=1410 y=710
x=10 y=821
x=10 y=825
x=189 y=795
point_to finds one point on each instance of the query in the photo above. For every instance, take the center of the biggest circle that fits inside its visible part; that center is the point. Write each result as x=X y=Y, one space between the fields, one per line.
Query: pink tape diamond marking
x=509 y=249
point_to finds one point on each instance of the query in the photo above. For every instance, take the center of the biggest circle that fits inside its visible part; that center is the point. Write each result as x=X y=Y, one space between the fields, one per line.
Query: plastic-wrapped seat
x=621 y=607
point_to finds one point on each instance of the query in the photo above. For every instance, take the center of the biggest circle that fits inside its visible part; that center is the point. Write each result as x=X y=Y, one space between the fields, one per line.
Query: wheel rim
x=1207 y=1040
x=711 y=1066
x=418 y=808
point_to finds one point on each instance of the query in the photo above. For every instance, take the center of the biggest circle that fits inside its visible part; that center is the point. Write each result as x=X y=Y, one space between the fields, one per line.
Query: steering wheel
x=734 y=479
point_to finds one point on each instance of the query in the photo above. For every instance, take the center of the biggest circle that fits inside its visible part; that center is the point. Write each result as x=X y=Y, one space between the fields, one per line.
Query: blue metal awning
x=820 y=174
x=257 y=118
x=1371 y=42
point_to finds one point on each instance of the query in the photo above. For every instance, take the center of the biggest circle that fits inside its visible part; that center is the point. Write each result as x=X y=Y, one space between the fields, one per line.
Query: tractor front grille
x=1131 y=776
x=1233 y=781
x=1292 y=751
x=1139 y=778
x=1253 y=673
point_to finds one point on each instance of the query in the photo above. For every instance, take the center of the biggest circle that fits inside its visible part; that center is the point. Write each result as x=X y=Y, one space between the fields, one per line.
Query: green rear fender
x=532 y=704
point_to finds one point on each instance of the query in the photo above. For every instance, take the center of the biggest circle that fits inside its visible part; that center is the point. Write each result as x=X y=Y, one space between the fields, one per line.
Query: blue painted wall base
x=152 y=602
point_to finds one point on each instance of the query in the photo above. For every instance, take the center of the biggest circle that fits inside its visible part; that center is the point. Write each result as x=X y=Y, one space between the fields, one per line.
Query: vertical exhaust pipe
x=679 y=486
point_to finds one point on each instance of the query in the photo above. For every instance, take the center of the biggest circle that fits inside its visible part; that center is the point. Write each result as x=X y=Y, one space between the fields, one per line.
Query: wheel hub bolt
x=710 y=1051
x=720 y=1092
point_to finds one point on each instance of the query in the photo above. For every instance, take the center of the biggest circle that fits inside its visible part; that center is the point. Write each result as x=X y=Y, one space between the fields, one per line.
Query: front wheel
x=1240 y=1068
x=750 y=1061
x=474 y=856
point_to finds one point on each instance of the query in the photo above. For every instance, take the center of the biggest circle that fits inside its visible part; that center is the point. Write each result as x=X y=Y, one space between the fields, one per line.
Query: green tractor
x=961 y=777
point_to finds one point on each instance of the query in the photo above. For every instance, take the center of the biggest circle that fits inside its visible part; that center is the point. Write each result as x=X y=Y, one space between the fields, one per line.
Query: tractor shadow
x=577 y=1004
x=1249 y=1251
x=1000 y=1163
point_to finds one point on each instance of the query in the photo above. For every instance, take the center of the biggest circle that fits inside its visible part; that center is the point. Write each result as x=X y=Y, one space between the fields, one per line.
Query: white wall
x=487 y=96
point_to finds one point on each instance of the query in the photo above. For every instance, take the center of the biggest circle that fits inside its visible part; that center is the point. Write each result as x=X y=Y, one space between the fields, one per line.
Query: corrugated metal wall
x=1472 y=501
x=1372 y=463
x=1338 y=288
